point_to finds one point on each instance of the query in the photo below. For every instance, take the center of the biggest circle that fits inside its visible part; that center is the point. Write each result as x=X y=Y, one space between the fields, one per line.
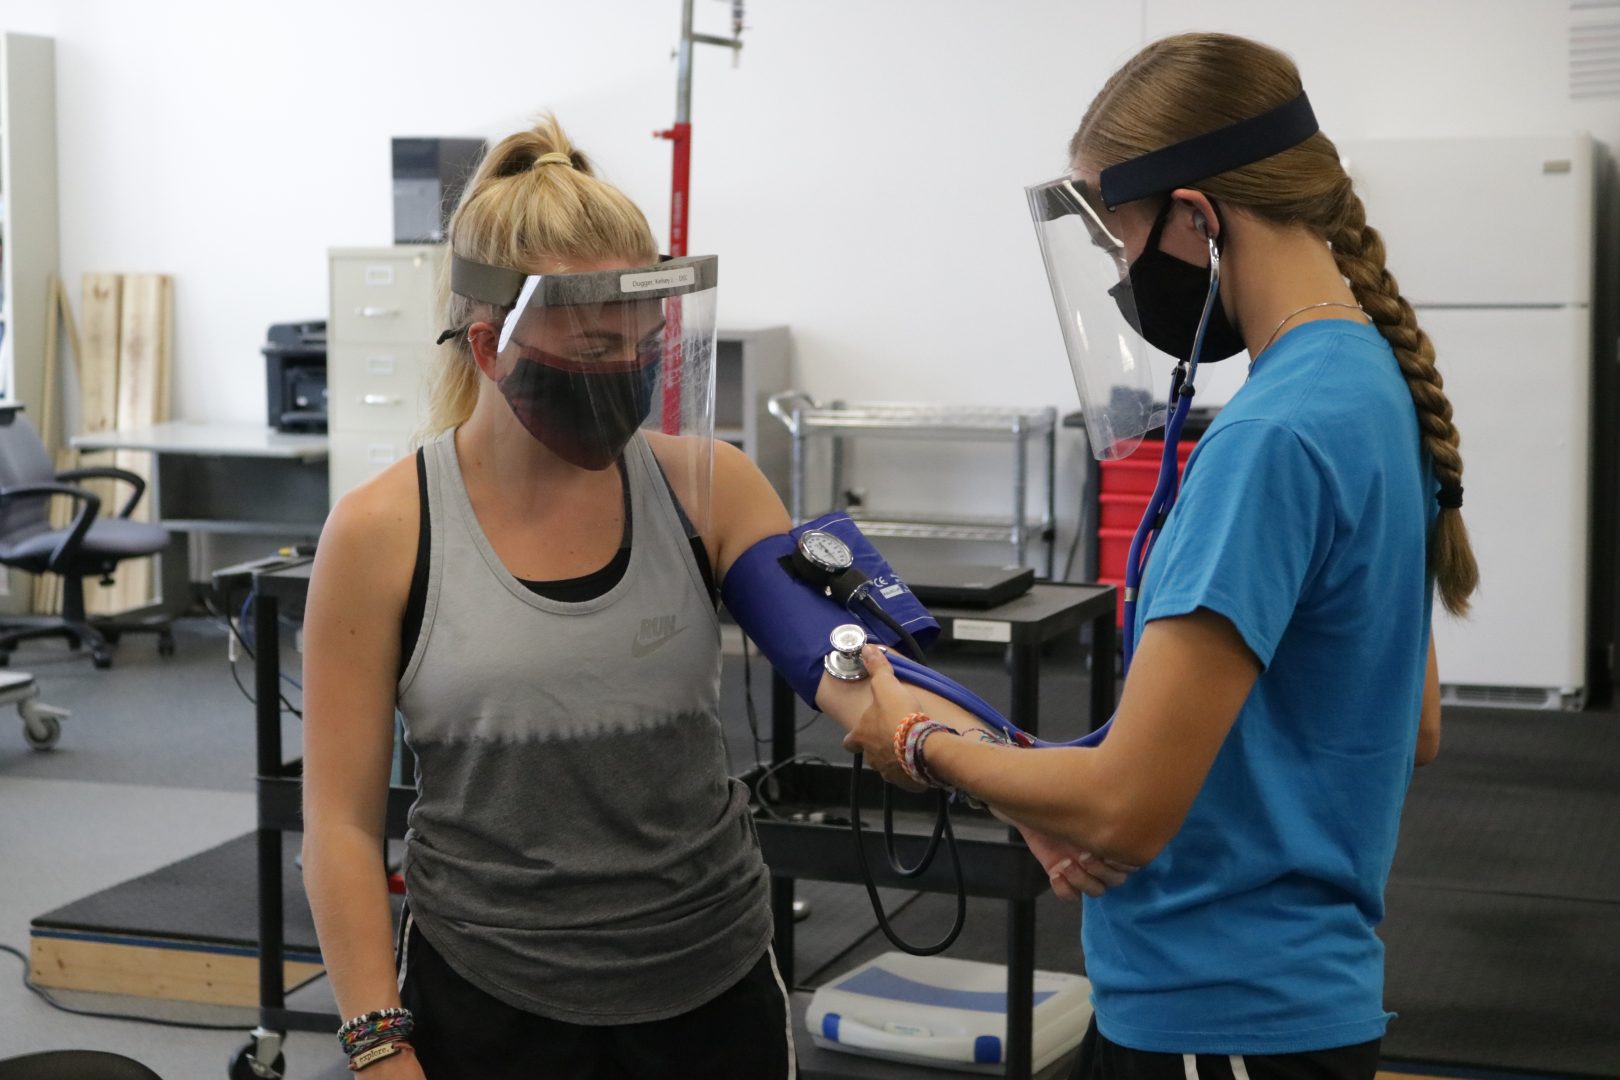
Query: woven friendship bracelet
x=357 y=1038
x=919 y=759
x=912 y=760
x=364 y=1038
x=902 y=735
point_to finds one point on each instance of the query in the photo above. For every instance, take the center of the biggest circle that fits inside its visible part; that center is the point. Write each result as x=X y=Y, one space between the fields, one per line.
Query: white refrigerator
x=1493 y=242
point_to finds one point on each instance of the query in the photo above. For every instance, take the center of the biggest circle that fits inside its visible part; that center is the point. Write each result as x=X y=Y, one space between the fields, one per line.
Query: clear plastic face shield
x=1087 y=269
x=592 y=364
x=1093 y=286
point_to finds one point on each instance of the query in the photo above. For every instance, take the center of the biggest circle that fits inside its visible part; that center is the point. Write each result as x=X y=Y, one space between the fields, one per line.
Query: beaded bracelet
x=366 y=1018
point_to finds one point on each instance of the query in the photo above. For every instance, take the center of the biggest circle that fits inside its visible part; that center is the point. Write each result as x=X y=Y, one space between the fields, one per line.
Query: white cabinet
x=1499 y=222
x=379 y=356
x=1522 y=406
x=1495 y=243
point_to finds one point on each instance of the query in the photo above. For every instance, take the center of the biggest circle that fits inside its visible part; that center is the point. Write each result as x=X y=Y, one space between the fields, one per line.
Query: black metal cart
x=1000 y=868
x=279 y=588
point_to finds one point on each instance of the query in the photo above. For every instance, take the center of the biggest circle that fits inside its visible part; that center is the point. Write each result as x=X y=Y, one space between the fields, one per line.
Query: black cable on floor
x=53 y=1003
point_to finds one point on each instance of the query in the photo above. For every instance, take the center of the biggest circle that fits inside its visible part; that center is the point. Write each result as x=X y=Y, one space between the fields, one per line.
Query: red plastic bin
x=1125 y=487
x=1121 y=511
x=1113 y=552
x=1137 y=474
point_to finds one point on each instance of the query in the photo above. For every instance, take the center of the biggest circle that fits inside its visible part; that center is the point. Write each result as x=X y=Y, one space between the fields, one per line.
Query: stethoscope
x=817 y=557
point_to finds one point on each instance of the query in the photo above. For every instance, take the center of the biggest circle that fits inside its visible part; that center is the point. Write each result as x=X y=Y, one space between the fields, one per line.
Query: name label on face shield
x=658 y=279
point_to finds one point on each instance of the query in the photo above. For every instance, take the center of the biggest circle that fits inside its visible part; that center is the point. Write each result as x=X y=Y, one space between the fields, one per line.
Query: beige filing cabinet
x=379 y=352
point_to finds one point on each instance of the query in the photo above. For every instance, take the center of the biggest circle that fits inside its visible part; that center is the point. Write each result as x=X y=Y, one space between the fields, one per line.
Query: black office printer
x=295 y=376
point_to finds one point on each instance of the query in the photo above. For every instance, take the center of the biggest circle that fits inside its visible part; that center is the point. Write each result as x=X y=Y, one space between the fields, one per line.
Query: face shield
x=589 y=362
x=1091 y=285
x=1112 y=364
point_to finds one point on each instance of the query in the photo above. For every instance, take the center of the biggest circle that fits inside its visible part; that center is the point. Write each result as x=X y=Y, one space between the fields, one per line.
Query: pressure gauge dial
x=825 y=553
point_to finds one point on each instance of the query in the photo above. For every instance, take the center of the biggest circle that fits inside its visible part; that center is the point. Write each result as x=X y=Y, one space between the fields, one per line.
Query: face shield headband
x=511 y=290
x=1185 y=163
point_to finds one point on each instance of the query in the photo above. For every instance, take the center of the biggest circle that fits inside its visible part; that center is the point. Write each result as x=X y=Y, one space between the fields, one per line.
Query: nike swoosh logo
x=639 y=648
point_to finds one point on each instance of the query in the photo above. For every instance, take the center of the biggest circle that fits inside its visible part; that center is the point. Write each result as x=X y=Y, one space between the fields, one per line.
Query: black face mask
x=584 y=417
x=1163 y=299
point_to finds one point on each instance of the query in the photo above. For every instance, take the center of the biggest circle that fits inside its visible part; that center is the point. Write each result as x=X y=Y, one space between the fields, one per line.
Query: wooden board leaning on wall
x=122 y=356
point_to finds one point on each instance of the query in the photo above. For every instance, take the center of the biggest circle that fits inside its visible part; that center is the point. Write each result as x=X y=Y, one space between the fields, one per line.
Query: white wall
x=860 y=172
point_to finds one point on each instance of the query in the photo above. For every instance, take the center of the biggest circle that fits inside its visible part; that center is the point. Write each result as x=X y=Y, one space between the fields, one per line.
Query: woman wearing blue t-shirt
x=1284 y=683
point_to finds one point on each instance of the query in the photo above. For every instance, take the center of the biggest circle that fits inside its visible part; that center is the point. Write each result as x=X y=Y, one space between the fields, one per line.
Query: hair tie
x=1450 y=496
x=554 y=157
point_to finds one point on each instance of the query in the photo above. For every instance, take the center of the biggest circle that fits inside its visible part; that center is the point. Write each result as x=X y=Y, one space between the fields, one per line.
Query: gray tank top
x=577 y=848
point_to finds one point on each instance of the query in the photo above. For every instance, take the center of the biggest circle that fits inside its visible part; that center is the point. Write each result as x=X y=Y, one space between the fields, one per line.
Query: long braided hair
x=1194 y=83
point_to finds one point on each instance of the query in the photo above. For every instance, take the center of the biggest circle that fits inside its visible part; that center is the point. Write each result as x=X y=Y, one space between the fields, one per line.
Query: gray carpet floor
x=1503 y=903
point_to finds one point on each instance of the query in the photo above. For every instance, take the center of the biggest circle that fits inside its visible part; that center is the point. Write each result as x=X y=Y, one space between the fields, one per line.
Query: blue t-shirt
x=1303 y=519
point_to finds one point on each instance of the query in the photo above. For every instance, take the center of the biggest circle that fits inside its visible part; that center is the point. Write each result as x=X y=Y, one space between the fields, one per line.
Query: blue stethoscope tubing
x=1163 y=499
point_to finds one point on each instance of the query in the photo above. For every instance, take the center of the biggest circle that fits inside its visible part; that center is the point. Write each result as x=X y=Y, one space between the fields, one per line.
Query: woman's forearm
x=347 y=883
x=1056 y=791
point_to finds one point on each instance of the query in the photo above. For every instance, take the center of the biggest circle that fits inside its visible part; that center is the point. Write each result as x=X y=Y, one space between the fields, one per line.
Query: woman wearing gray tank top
x=585 y=893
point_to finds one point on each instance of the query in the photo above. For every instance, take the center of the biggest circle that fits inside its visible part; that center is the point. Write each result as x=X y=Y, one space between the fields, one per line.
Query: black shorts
x=463 y=1033
x=1104 y=1060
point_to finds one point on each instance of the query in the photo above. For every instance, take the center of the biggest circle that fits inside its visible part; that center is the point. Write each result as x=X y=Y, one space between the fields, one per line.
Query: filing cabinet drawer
x=358 y=456
x=376 y=387
x=383 y=297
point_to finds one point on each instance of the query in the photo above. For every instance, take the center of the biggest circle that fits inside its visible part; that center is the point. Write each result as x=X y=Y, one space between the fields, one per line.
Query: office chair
x=74 y=1065
x=88 y=546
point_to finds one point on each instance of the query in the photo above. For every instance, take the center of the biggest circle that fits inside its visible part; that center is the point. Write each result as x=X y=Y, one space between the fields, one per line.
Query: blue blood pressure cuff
x=792 y=619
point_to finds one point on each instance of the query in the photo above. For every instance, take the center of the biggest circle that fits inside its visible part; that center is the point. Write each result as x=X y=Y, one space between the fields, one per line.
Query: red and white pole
x=680 y=194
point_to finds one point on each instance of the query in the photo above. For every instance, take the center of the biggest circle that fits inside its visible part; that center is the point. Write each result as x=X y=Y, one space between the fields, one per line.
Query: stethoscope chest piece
x=844 y=662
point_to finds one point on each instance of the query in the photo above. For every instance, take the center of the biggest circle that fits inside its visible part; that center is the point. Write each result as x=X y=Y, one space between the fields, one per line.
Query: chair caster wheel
x=166 y=643
x=42 y=732
x=244 y=1066
x=103 y=661
x=247 y=1063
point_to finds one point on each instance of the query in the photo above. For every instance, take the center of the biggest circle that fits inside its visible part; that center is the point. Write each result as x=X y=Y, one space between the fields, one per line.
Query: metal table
x=227 y=481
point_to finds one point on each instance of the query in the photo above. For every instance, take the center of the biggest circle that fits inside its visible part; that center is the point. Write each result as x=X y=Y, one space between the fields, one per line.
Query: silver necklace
x=1300 y=311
